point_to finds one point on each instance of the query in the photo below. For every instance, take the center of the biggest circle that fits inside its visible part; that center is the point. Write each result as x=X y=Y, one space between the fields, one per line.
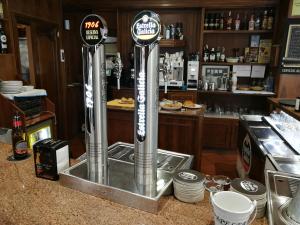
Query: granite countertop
x=26 y=199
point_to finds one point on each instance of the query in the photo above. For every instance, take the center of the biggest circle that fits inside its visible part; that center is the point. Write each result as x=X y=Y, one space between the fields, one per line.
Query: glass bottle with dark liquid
x=20 y=147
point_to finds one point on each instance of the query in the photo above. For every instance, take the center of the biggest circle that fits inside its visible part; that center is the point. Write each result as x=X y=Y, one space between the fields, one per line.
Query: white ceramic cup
x=232 y=208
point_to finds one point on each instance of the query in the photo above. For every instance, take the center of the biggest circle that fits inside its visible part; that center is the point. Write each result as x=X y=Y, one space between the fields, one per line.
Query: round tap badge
x=145 y=28
x=93 y=30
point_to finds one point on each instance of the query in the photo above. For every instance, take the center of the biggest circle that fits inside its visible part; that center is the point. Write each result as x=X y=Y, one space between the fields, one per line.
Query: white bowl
x=232 y=59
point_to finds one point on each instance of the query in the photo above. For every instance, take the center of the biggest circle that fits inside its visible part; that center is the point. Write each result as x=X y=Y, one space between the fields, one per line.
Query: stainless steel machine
x=135 y=175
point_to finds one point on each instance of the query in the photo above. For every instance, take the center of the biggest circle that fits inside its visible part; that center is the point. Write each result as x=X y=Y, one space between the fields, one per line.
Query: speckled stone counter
x=25 y=199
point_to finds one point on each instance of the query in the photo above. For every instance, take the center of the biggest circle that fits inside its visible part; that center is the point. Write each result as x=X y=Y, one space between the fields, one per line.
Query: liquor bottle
x=218 y=54
x=206 y=54
x=270 y=20
x=297 y=105
x=251 y=23
x=212 y=55
x=221 y=26
x=229 y=21
x=20 y=147
x=206 y=22
x=222 y=57
x=237 y=22
x=264 y=24
x=211 y=23
x=1 y=10
x=217 y=21
x=3 y=40
x=257 y=23
x=244 y=22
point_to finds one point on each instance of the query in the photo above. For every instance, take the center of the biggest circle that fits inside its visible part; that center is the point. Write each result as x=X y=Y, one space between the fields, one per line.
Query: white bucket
x=231 y=208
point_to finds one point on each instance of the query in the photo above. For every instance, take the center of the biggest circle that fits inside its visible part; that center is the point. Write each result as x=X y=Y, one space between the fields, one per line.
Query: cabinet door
x=183 y=96
x=219 y=133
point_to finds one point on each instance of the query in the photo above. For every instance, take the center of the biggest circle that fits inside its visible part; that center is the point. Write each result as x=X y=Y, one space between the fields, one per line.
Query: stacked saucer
x=253 y=190
x=11 y=86
x=188 y=185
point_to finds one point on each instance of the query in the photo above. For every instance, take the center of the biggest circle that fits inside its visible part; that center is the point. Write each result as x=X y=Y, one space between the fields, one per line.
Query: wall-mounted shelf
x=249 y=93
x=230 y=64
x=237 y=31
x=171 y=43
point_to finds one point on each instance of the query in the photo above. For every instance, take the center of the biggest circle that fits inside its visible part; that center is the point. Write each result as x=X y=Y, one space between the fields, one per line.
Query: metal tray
x=121 y=187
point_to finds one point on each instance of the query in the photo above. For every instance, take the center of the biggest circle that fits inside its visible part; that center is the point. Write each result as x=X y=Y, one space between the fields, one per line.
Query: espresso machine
x=174 y=75
x=138 y=174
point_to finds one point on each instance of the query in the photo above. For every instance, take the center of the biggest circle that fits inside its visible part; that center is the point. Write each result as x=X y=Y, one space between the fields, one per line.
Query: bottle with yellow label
x=20 y=146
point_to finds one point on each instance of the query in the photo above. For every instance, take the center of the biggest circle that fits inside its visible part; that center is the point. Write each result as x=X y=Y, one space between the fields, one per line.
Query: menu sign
x=145 y=28
x=93 y=30
x=295 y=8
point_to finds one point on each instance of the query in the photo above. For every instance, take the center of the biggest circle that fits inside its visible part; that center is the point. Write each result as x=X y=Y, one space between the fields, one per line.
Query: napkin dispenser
x=50 y=158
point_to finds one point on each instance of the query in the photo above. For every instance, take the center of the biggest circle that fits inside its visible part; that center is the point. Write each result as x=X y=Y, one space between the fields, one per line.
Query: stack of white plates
x=188 y=186
x=253 y=190
x=11 y=86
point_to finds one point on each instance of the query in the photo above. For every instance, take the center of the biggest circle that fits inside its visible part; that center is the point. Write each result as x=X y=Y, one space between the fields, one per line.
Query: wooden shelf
x=217 y=92
x=230 y=64
x=4 y=19
x=289 y=110
x=37 y=119
x=171 y=43
x=237 y=31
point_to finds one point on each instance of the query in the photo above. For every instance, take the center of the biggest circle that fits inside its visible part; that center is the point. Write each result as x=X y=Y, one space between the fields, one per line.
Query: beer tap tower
x=145 y=31
x=138 y=174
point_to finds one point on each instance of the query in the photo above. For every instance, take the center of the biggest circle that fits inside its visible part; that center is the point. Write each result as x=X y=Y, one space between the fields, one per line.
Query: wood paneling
x=220 y=133
x=8 y=69
x=49 y=10
x=167 y=3
x=288 y=86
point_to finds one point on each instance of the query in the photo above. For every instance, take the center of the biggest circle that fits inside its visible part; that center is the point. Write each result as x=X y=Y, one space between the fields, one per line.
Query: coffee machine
x=138 y=174
x=174 y=75
x=192 y=75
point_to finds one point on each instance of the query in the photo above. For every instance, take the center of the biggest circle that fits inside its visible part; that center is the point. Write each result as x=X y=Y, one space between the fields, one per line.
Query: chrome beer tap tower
x=138 y=174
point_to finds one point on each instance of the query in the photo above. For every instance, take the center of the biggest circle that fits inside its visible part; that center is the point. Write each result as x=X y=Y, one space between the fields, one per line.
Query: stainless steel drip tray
x=121 y=186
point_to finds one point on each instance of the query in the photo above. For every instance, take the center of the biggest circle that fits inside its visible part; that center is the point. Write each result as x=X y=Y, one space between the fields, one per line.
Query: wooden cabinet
x=171 y=94
x=178 y=133
x=220 y=133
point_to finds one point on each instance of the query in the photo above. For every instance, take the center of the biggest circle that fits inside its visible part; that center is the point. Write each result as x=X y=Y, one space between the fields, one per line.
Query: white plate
x=164 y=105
x=196 y=106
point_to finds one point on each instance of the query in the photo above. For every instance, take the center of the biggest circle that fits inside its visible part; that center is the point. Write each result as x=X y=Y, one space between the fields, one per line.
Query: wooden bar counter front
x=178 y=131
x=28 y=200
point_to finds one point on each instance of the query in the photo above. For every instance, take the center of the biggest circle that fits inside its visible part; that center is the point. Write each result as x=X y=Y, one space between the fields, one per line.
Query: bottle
x=206 y=22
x=257 y=23
x=211 y=23
x=1 y=10
x=222 y=57
x=237 y=22
x=3 y=41
x=244 y=22
x=20 y=147
x=297 y=106
x=221 y=26
x=217 y=21
x=270 y=20
x=206 y=54
x=168 y=33
x=172 y=31
x=212 y=55
x=229 y=21
x=264 y=24
x=251 y=23
x=218 y=54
